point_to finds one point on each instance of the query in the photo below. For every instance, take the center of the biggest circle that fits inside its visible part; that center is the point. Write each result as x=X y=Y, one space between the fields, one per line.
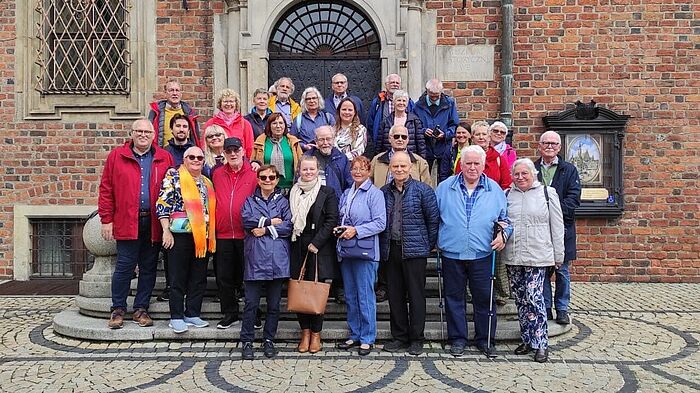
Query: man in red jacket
x=129 y=188
x=233 y=183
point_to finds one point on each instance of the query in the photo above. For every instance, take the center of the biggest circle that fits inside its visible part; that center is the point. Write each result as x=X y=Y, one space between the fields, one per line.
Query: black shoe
x=340 y=295
x=396 y=346
x=165 y=295
x=550 y=316
x=216 y=299
x=523 y=349
x=457 y=349
x=248 y=353
x=258 y=320
x=365 y=351
x=269 y=349
x=381 y=295
x=487 y=351
x=416 y=348
x=542 y=355
x=347 y=344
x=563 y=318
x=227 y=322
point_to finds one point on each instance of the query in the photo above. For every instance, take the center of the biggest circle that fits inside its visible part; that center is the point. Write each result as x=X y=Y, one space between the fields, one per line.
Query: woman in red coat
x=230 y=119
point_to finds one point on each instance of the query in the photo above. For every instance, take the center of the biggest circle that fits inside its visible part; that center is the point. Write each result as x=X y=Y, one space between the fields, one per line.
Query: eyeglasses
x=500 y=132
x=321 y=140
x=311 y=98
x=142 y=132
x=340 y=82
x=232 y=150
x=192 y=157
x=549 y=143
x=266 y=178
x=358 y=169
x=217 y=135
x=401 y=136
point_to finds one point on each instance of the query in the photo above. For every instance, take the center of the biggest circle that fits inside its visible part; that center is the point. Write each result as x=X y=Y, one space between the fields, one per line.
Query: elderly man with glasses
x=129 y=188
x=339 y=87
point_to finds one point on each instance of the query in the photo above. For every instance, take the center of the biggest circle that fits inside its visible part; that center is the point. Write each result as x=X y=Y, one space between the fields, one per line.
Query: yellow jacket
x=296 y=109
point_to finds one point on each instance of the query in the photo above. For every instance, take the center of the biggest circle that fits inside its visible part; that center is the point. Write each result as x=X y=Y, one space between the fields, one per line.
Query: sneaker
x=457 y=349
x=178 y=325
x=165 y=295
x=247 y=353
x=227 y=322
x=142 y=318
x=416 y=348
x=258 y=320
x=116 y=320
x=269 y=349
x=196 y=322
x=563 y=317
x=396 y=346
x=381 y=295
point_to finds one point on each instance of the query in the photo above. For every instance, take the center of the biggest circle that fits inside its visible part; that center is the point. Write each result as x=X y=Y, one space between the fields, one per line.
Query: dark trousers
x=228 y=263
x=253 y=292
x=130 y=253
x=476 y=273
x=382 y=279
x=406 y=276
x=188 y=278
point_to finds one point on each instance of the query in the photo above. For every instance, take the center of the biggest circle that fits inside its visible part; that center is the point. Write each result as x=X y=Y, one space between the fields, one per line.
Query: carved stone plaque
x=465 y=62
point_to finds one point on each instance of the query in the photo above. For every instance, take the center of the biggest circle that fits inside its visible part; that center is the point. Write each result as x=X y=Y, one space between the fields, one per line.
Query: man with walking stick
x=470 y=204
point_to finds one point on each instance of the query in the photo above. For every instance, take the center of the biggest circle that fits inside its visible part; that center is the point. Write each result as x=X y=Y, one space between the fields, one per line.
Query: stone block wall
x=632 y=57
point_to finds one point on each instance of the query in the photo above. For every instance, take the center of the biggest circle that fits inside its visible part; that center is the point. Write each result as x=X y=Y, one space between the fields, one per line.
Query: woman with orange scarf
x=186 y=208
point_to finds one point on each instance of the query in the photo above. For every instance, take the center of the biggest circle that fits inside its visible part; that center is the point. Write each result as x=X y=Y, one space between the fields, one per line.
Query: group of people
x=351 y=195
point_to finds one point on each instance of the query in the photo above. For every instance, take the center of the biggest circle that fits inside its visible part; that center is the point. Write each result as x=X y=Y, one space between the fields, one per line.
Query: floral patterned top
x=170 y=196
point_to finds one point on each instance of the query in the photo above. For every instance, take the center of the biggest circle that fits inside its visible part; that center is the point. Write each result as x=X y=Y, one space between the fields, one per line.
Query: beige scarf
x=301 y=198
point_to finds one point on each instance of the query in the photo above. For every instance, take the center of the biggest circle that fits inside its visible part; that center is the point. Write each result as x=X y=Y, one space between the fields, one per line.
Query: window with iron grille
x=84 y=47
x=58 y=250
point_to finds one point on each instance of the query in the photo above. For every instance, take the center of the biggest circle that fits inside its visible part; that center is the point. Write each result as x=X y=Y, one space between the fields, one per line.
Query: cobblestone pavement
x=626 y=338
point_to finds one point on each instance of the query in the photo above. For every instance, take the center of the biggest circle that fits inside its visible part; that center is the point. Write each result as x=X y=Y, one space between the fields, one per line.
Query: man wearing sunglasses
x=129 y=187
x=563 y=176
x=233 y=183
x=380 y=175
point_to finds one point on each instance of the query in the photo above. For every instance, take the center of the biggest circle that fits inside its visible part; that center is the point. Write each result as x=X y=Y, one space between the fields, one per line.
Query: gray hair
x=339 y=75
x=261 y=90
x=277 y=82
x=386 y=78
x=477 y=124
x=400 y=94
x=550 y=133
x=434 y=86
x=308 y=90
x=321 y=128
x=498 y=125
x=396 y=127
x=473 y=149
x=528 y=164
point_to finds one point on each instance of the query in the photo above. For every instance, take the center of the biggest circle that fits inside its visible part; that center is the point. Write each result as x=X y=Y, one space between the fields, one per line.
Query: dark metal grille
x=84 y=46
x=324 y=29
x=58 y=250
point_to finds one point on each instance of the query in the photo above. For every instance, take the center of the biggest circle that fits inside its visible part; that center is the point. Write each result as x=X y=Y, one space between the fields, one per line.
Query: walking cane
x=497 y=230
x=440 y=302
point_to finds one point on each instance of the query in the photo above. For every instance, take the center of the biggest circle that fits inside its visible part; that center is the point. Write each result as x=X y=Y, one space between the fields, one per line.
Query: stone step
x=72 y=323
x=99 y=307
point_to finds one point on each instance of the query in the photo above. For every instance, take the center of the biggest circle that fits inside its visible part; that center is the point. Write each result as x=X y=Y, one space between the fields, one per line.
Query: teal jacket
x=468 y=238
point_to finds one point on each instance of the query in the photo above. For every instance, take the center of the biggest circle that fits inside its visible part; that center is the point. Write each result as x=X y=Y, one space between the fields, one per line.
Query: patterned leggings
x=526 y=284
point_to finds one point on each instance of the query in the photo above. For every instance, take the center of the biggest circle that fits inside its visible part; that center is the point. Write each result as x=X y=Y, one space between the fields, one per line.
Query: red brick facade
x=633 y=58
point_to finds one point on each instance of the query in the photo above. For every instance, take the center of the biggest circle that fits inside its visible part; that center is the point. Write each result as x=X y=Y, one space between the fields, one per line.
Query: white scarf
x=301 y=198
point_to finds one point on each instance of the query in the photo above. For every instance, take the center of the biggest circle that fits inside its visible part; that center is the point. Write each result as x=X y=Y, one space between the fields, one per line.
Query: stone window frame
x=32 y=105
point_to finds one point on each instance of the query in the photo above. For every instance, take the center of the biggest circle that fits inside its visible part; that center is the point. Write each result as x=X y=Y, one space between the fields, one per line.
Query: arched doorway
x=315 y=40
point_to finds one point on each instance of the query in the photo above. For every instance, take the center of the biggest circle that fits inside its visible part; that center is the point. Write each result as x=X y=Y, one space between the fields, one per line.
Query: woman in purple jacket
x=362 y=218
x=267 y=220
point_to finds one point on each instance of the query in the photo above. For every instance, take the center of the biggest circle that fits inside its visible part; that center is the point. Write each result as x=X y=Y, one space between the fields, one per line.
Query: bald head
x=400 y=166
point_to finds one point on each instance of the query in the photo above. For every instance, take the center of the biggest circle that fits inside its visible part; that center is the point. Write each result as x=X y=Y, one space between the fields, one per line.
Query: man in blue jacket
x=438 y=113
x=339 y=85
x=381 y=107
x=563 y=176
x=411 y=233
x=470 y=204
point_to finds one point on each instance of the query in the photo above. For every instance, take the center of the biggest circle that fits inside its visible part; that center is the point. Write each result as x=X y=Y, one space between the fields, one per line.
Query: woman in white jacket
x=536 y=245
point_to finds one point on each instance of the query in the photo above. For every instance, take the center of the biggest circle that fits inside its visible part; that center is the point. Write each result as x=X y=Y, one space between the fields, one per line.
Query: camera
x=339 y=231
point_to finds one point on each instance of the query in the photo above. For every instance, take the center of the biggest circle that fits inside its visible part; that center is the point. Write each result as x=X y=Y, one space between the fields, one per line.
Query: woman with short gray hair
x=402 y=116
x=312 y=116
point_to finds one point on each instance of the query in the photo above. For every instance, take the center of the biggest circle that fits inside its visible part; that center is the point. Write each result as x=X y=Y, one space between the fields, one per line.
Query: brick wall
x=634 y=58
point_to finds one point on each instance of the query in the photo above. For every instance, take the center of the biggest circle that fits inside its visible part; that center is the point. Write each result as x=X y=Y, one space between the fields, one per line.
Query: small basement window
x=57 y=248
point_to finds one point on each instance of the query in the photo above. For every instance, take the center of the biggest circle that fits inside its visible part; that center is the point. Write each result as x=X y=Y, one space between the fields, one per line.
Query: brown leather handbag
x=307 y=297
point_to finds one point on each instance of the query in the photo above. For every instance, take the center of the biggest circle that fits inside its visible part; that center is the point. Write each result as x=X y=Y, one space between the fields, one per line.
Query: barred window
x=84 y=47
x=57 y=248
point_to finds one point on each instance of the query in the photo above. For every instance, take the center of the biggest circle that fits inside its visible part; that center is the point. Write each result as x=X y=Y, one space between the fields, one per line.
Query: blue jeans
x=359 y=276
x=562 y=292
x=130 y=253
x=253 y=292
x=456 y=275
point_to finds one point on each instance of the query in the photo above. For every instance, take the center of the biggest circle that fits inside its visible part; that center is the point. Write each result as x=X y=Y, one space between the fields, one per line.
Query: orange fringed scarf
x=195 y=212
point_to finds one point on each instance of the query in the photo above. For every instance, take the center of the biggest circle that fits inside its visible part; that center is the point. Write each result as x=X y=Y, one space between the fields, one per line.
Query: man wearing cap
x=163 y=111
x=233 y=183
x=129 y=188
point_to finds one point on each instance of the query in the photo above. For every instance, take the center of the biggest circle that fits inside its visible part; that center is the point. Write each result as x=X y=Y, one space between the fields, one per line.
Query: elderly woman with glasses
x=277 y=147
x=186 y=208
x=497 y=168
x=536 y=245
x=230 y=120
x=267 y=220
x=498 y=132
x=313 y=115
x=402 y=117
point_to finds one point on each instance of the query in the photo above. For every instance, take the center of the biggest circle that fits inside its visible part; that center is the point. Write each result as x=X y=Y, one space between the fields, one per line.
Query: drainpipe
x=506 y=115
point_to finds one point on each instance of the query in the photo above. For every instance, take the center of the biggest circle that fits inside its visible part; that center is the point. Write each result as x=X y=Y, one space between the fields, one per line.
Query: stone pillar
x=233 y=53
x=414 y=84
x=97 y=282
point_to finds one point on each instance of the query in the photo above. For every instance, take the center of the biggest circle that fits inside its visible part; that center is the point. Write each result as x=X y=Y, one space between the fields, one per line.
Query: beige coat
x=380 y=169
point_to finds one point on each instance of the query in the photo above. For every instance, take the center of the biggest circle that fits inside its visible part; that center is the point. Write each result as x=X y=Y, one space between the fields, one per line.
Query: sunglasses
x=192 y=157
x=401 y=136
x=232 y=150
x=266 y=178
x=217 y=135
